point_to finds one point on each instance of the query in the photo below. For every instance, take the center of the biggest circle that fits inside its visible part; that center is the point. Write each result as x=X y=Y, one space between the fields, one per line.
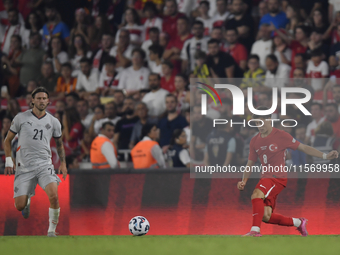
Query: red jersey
x=297 y=48
x=168 y=85
x=170 y=24
x=239 y=52
x=271 y=150
x=76 y=133
x=177 y=42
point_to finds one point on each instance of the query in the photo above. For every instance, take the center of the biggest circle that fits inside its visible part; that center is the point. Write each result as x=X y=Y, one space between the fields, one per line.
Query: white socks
x=53 y=219
x=256 y=229
x=296 y=222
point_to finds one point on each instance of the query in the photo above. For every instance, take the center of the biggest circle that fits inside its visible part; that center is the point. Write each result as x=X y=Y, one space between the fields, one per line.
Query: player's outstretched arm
x=9 y=166
x=61 y=154
x=316 y=153
x=246 y=175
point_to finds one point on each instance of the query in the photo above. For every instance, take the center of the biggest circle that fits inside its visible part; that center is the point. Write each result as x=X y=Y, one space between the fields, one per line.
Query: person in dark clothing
x=179 y=156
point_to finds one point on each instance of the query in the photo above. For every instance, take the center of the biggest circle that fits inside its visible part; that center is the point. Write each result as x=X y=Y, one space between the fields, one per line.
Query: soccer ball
x=139 y=226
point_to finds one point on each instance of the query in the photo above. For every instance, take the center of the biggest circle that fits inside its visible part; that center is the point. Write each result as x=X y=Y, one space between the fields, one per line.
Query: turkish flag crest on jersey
x=273 y=147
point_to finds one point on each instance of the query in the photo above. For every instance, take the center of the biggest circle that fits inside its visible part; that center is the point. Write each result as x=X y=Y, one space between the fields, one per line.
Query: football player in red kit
x=270 y=145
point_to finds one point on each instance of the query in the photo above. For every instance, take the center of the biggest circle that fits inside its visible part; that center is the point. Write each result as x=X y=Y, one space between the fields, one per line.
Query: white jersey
x=34 y=136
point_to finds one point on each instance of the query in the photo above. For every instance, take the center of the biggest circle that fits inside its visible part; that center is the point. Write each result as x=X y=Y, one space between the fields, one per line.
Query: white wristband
x=324 y=156
x=9 y=162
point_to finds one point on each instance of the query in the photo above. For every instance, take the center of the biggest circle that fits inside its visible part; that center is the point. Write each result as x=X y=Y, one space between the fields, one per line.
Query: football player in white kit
x=35 y=128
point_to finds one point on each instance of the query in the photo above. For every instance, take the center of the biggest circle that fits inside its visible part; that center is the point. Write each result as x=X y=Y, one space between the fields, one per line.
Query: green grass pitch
x=170 y=245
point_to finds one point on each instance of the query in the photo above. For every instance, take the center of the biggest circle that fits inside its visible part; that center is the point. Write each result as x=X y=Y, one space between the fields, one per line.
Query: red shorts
x=271 y=189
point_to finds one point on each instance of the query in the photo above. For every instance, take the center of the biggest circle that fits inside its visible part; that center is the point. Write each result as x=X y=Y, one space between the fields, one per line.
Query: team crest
x=273 y=147
x=48 y=126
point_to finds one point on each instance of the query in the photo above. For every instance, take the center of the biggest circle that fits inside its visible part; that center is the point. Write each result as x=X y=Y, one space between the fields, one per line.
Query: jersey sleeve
x=289 y=141
x=56 y=128
x=252 y=153
x=15 y=126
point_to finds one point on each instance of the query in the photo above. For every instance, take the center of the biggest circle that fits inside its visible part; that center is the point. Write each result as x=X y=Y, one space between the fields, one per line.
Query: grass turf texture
x=172 y=245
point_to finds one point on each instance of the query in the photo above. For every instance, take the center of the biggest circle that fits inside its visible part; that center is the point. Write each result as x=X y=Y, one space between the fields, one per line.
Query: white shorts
x=25 y=182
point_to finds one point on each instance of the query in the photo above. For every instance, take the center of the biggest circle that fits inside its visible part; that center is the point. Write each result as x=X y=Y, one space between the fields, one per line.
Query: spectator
x=71 y=100
x=152 y=19
x=324 y=141
x=155 y=56
x=98 y=115
x=66 y=83
x=332 y=115
x=275 y=16
x=102 y=26
x=72 y=131
x=125 y=125
x=103 y=52
x=281 y=49
x=221 y=64
x=94 y=100
x=163 y=39
x=81 y=27
x=315 y=43
x=13 y=108
x=201 y=128
x=263 y=46
x=110 y=112
x=178 y=155
x=333 y=8
x=31 y=85
x=136 y=76
x=147 y=153
x=299 y=157
x=10 y=67
x=5 y=126
x=217 y=34
x=255 y=76
x=57 y=53
x=85 y=146
x=221 y=147
x=33 y=23
x=13 y=28
x=133 y=25
x=201 y=70
x=122 y=51
x=318 y=69
x=203 y=16
x=84 y=113
x=88 y=78
x=300 y=81
x=103 y=152
x=319 y=23
x=144 y=119
x=181 y=92
x=198 y=42
x=119 y=98
x=235 y=49
x=155 y=99
x=277 y=74
x=31 y=60
x=60 y=106
x=109 y=78
x=294 y=17
x=49 y=77
x=4 y=15
x=300 y=62
x=168 y=79
x=222 y=13
x=170 y=122
x=242 y=22
x=171 y=15
x=54 y=25
x=153 y=35
x=335 y=91
x=72 y=162
x=78 y=50
x=316 y=110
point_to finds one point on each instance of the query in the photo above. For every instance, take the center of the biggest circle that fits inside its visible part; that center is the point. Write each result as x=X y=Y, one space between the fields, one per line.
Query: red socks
x=280 y=220
x=258 y=211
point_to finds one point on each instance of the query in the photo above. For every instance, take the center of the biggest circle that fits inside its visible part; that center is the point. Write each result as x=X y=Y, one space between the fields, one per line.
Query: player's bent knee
x=257 y=194
x=20 y=206
x=53 y=198
x=266 y=217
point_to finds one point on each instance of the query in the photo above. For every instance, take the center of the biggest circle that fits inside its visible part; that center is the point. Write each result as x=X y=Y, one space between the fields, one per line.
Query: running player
x=270 y=145
x=35 y=128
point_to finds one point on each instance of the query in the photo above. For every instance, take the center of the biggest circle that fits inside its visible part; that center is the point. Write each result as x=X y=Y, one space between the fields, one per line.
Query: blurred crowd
x=130 y=62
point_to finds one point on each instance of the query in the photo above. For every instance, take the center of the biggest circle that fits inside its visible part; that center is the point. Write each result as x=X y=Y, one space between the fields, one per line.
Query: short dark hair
x=316 y=103
x=146 y=129
x=69 y=159
x=198 y=22
x=316 y=53
x=334 y=105
x=155 y=74
x=211 y=41
x=262 y=108
x=254 y=56
x=13 y=10
x=154 y=29
x=85 y=60
x=185 y=18
x=68 y=65
x=150 y=6
x=74 y=95
x=200 y=55
x=95 y=94
x=156 y=49
x=140 y=51
x=168 y=63
x=110 y=60
x=231 y=29
x=206 y=3
x=100 y=106
x=39 y=90
x=171 y=95
x=273 y=58
x=107 y=123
